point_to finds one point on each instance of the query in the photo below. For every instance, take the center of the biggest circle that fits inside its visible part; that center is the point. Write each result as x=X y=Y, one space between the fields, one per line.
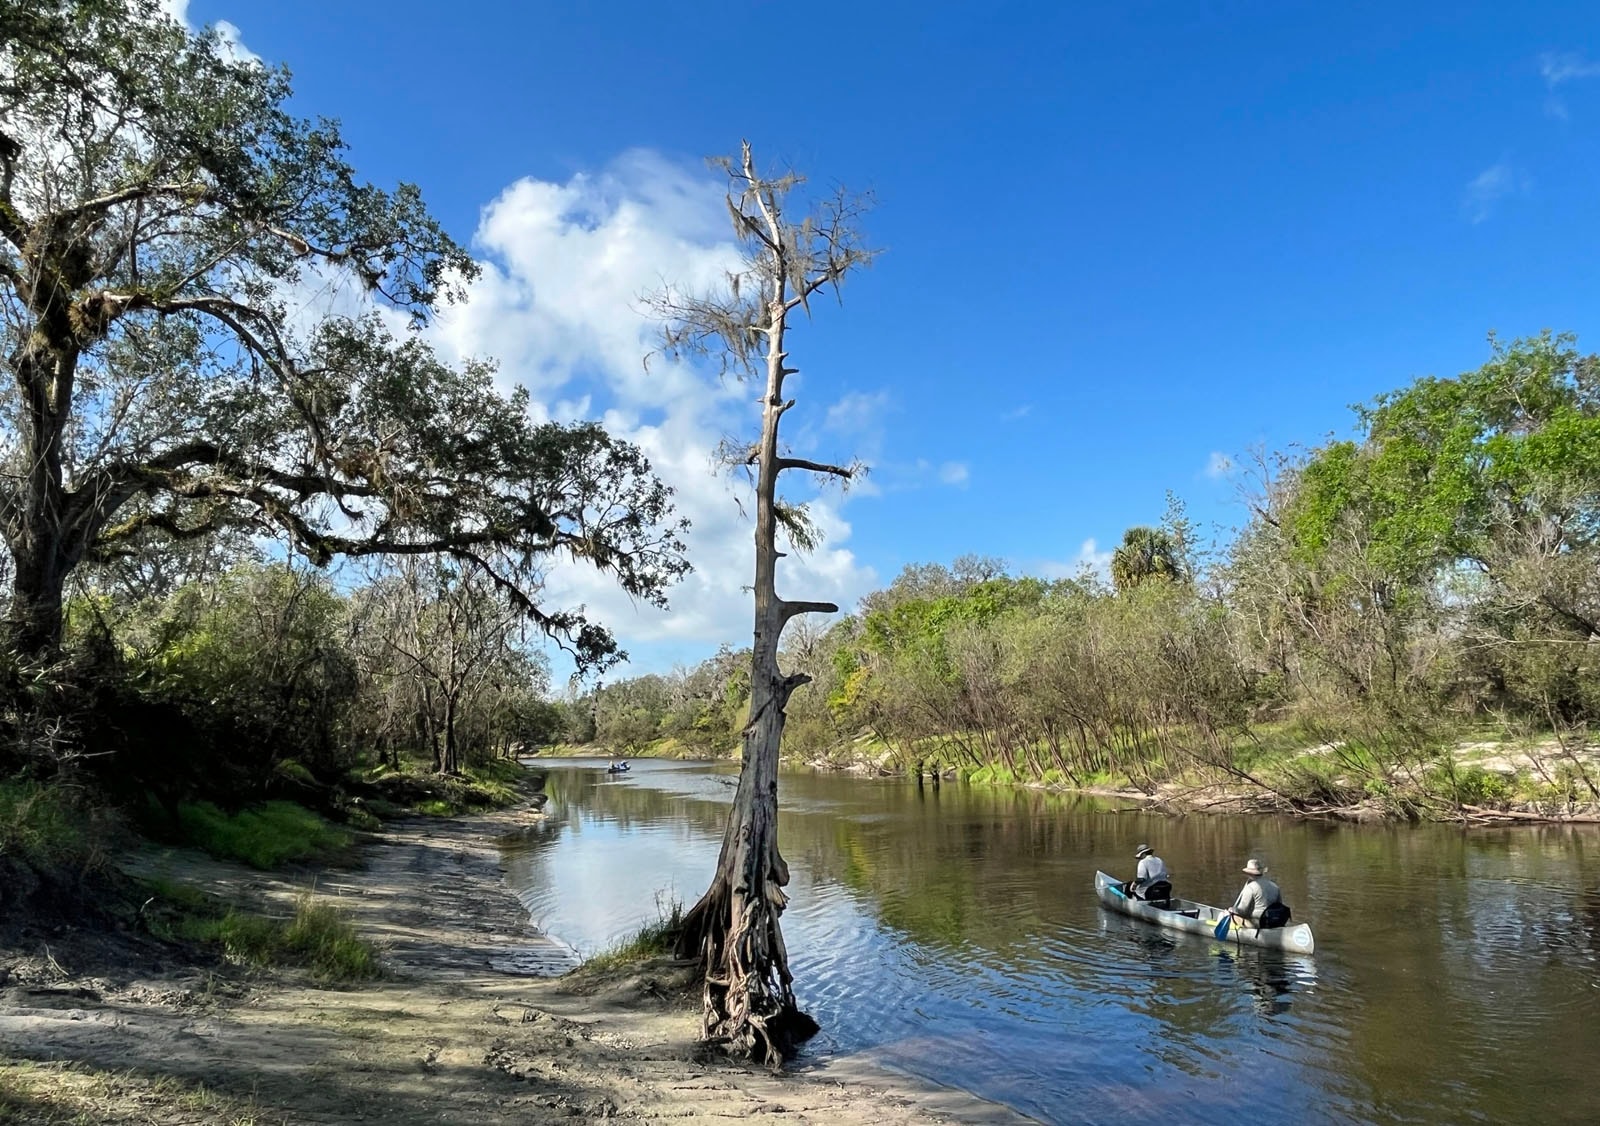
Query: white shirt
x=1151 y=868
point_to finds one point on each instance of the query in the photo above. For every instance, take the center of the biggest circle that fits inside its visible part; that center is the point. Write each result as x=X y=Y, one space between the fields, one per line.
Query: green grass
x=52 y=830
x=994 y=775
x=415 y=789
x=317 y=937
x=495 y=784
x=652 y=940
x=69 y=1093
x=263 y=836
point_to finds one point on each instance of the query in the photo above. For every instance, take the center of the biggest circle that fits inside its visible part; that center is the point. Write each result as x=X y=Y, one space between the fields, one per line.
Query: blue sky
x=1119 y=239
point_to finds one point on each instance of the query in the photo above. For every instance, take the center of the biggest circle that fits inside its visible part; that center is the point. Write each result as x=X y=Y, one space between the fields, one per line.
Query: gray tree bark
x=749 y=1001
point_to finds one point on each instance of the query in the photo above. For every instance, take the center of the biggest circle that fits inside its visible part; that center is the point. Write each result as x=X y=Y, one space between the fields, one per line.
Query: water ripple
x=954 y=934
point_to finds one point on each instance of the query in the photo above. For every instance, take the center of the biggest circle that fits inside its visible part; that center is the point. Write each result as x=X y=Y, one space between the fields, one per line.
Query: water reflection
x=955 y=933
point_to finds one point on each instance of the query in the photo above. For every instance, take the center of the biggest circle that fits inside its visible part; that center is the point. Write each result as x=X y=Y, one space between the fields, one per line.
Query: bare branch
x=193 y=191
x=817 y=467
x=787 y=609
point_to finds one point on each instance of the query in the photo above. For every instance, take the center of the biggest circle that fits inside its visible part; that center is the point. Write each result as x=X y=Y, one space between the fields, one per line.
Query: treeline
x=253 y=680
x=1435 y=580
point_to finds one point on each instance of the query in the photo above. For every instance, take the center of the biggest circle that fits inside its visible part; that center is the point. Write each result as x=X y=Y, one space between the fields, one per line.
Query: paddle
x=1222 y=928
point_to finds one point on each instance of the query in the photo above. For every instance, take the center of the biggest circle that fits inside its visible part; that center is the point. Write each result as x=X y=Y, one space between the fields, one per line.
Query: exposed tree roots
x=750 y=1009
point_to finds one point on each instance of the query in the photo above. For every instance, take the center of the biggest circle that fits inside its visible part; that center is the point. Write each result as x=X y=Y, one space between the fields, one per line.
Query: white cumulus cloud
x=858 y=413
x=558 y=305
x=1090 y=561
x=232 y=40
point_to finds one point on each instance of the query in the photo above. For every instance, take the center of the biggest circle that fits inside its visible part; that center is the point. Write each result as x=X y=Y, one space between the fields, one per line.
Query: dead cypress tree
x=750 y=1006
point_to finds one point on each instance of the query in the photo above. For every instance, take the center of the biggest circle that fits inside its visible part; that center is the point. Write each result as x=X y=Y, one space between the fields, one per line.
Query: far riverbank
x=1478 y=782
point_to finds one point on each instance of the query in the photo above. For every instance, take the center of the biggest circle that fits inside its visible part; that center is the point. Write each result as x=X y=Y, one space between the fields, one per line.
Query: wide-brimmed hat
x=1254 y=867
x=1142 y=851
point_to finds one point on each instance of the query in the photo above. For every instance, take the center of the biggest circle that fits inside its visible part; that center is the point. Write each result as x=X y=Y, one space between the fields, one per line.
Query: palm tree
x=1147 y=553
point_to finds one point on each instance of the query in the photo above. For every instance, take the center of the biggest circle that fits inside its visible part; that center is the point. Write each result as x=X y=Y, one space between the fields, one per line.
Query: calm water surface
x=955 y=934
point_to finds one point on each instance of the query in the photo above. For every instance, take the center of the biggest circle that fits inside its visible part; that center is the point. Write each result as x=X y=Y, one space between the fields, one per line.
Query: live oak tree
x=163 y=221
x=749 y=1003
x=1469 y=511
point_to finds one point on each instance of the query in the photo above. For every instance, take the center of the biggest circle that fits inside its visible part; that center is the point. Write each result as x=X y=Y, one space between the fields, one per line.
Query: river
x=954 y=934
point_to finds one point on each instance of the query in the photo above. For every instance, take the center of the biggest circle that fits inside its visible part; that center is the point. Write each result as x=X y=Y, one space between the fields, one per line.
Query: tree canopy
x=164 y=220
x=1147 y=553
x=1496 y=471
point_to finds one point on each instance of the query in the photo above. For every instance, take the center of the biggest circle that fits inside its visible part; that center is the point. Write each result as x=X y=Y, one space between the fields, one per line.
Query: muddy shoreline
x=460 y=1031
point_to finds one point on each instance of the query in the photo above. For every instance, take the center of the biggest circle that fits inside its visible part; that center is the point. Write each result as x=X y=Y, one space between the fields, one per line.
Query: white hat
x=1142 y=851
x=1254 y=867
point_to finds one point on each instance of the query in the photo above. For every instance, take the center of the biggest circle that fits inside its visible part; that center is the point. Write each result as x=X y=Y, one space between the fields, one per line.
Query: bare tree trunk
x=749 y=997
x=430 y=726
x=452 y=756
x=35 y=617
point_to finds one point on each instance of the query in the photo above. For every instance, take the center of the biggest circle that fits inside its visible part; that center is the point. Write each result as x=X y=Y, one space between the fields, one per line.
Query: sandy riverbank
x=459 y=1032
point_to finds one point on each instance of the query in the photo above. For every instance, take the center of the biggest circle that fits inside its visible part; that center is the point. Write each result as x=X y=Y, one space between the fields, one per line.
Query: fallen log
x=1490 y=815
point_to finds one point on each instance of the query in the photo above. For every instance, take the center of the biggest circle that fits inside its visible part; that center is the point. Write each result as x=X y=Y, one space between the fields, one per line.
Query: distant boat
x=617 y=768
x=1200 y=918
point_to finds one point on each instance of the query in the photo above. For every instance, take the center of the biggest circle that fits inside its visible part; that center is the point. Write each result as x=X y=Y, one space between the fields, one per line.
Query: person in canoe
x=1151 y=882
x=1260 y=903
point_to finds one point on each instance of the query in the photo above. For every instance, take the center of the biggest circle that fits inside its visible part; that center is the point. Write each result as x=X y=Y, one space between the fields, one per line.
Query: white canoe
x=1202 y=919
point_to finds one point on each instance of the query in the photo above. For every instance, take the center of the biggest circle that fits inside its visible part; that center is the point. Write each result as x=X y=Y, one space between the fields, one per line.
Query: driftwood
x=1484 y=816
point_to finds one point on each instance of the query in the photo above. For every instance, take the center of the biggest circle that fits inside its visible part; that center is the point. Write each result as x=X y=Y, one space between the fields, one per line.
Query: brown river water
x=955 y=934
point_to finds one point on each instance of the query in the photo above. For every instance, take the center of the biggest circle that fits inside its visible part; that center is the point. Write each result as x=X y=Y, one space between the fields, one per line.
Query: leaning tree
x=749 y=998
x=166 y=227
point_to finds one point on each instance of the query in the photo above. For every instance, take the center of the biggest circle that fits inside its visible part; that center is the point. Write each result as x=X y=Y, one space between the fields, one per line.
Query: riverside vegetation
x=1407 y=625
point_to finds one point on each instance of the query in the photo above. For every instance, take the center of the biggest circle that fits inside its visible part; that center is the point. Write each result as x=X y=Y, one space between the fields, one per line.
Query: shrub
x=1469 y=785
x=53 y=845
x=318 y=937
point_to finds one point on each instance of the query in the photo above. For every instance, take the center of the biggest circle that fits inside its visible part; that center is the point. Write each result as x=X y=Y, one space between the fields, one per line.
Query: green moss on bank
x=264 y=836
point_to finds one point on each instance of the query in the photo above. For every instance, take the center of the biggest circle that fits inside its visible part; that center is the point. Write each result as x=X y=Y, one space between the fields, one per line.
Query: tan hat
x=1254 y=867
x=1142 y=851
